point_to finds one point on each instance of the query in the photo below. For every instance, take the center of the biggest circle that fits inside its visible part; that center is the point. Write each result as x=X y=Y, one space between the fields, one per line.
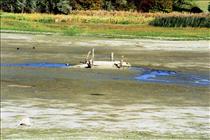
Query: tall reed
x=193 y=20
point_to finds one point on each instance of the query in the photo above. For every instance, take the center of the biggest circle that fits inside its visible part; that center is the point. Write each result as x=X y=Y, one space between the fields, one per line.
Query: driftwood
x=112 y=64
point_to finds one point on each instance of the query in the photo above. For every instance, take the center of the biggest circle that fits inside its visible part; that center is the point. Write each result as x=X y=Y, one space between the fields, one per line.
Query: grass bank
x=100 y=23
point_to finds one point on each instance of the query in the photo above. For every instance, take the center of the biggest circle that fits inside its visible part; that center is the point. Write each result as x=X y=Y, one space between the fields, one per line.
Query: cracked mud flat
x=100 y=104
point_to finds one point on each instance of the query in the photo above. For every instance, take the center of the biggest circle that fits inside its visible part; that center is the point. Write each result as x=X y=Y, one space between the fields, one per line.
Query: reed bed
x=191 y=20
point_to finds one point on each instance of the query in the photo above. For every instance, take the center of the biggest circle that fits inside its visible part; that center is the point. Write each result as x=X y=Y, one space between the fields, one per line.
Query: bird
x=18 y=48
x=34 y=48
x=26 y=121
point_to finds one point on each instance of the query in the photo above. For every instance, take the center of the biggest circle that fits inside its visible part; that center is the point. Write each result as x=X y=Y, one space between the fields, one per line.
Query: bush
x=196 y=10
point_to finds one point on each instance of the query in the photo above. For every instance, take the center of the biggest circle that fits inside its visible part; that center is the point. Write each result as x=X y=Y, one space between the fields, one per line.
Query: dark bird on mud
x=18 y=48
x=34 y=48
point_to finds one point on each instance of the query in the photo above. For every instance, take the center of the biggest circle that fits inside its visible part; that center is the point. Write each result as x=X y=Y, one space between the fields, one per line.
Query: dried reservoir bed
x=100 y=104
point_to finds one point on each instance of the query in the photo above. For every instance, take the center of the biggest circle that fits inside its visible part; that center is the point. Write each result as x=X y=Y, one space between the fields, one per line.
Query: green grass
x=94 y=27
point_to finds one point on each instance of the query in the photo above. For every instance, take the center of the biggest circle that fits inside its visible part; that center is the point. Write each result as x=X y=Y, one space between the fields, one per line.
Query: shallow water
x=173 y=77
x=146 y=74
x=37 y=65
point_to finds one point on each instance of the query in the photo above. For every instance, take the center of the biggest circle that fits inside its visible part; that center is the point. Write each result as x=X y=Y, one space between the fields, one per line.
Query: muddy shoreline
x=181 y=55
x=101 y=104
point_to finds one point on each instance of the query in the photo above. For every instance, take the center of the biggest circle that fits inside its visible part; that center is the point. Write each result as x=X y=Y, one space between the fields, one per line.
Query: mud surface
x=98 y=104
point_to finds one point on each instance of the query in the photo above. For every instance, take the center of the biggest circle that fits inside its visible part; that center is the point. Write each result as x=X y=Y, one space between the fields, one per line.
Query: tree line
x=67 y=6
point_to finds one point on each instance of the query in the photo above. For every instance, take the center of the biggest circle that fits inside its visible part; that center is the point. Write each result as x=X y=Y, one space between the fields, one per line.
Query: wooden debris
x=92 y=63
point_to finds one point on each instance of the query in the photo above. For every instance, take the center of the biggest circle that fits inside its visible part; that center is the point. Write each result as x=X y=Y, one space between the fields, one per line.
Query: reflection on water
x=131 y=117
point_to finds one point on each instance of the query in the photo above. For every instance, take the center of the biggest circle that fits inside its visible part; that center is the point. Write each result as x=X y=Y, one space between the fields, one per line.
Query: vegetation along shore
x=120 y=24
x=171 y=19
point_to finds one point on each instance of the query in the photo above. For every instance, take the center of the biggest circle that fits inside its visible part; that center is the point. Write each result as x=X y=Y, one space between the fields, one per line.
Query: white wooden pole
x=112 y=56
x=93 y=55
x=87 y=57
x=121 y=61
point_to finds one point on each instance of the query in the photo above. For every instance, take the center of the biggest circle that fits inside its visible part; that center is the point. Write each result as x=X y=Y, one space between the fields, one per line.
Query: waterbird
x=25 y=122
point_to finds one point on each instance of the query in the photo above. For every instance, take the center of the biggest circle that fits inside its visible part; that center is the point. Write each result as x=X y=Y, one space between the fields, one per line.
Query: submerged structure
x=90 y=62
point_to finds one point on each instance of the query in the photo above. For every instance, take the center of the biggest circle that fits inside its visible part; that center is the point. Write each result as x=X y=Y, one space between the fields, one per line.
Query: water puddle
x=144 y=74
x=172 y=77
x=37 y=65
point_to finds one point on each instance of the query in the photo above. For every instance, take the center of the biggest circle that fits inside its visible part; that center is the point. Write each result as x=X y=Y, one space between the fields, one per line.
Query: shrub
x=196 y=10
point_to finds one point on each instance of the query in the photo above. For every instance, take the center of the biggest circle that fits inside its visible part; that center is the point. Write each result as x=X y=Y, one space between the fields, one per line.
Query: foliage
x=154 y=5
x=182 y=5
x=195 y=10
x=66 y=6
x=209 y=7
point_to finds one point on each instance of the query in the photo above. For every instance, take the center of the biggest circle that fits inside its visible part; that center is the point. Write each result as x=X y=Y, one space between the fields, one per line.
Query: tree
x=195 y=10
x=154 y=5
x=66 y=6
x=182 y=5
x=209 y=7
x=33 y=5
x=7 y=5
x=42 y=6
x=88 y=4
x=107 y=5
x=120 y=4
x=63 y=7
x=21 y=5
x=163 y=5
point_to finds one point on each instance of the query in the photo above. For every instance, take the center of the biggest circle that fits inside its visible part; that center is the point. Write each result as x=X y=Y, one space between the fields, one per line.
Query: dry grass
x=113 y=17
x=84 y=17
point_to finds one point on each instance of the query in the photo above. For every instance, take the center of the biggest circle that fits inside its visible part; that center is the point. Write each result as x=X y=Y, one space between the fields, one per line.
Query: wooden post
x=87 y=57
x=93 y=55
x=121 y=61
x=112 y=56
